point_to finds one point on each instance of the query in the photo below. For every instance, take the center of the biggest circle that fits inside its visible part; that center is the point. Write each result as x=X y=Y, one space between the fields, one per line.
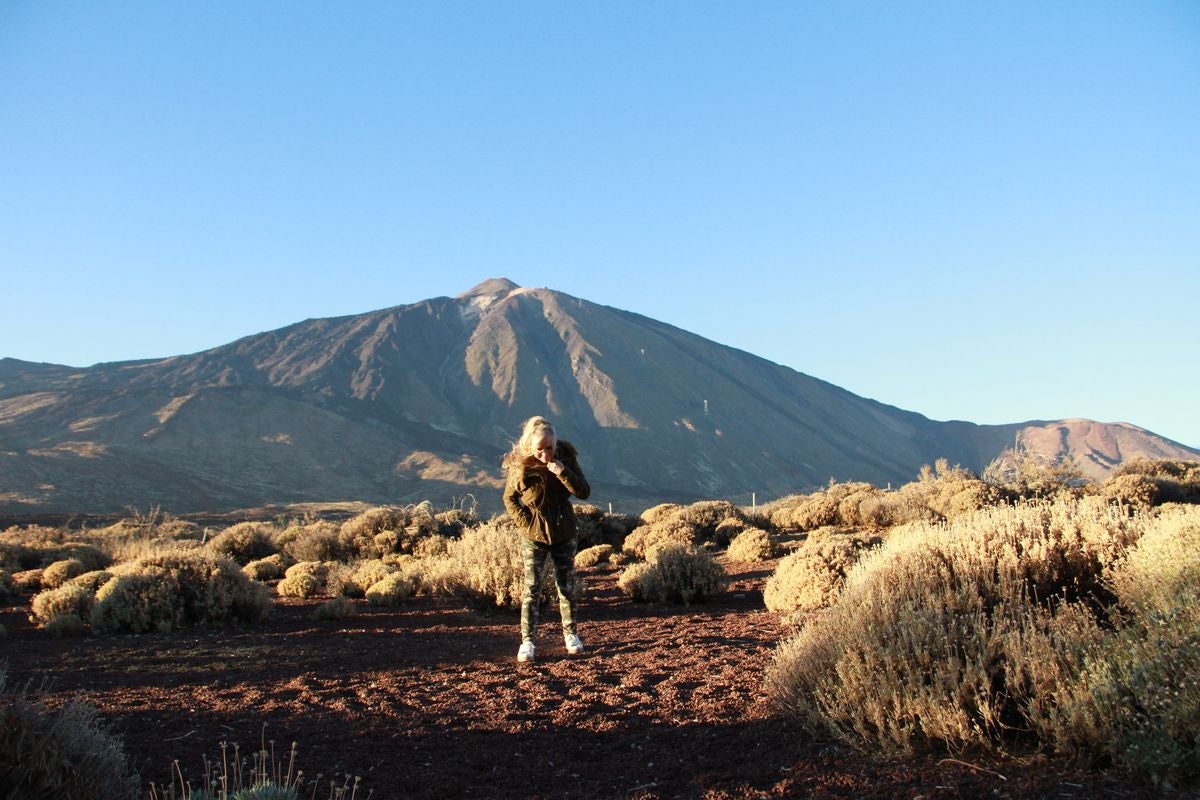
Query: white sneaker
x=574 y=644
x=526 y=652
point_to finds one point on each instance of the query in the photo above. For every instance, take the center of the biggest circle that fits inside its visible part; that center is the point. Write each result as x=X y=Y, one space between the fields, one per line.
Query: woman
x=543 y=473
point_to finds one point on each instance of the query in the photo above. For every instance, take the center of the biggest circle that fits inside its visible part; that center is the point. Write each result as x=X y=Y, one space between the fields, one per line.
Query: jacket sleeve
x=572 y=477
x=512 y=500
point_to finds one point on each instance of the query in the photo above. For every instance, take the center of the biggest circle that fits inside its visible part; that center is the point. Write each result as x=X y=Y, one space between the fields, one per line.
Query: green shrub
x=245 y=542
x=62 y=752
x=678 y=573
x=165 y=592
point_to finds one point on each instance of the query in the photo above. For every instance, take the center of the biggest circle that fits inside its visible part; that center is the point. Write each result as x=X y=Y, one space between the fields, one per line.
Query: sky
x=987 y=211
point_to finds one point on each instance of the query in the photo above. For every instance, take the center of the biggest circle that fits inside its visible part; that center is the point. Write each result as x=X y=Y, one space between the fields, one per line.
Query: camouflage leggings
x=562 y=555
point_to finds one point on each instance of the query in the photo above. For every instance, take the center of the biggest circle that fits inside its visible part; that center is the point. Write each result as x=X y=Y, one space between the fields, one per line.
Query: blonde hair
x=533 y=430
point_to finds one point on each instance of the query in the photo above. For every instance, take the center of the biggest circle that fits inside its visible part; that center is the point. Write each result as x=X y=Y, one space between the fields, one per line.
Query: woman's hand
x=555 y=466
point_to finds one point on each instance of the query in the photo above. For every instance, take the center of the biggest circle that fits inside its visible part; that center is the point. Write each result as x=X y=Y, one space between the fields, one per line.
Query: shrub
x=812 y=576
x=392 y=590
x=7 y=590
x=63 y=752
x=320 y=541
x=660 y=513
x=364 y=575
x=165 y=592
x=304 y=579
x=65 y=626
x=592 y=556
x=339 y=607
x=60 y=572
x=68 y=599
x=432 y=546
x=267 y=569
x=1136 y=490
x=644 y=540
x=27 y=581
x=245 y=542
x=358 y=534
x=681 y=573
x=752 y=544
x=484 y=567
x=1175 y=481
x=926 y=642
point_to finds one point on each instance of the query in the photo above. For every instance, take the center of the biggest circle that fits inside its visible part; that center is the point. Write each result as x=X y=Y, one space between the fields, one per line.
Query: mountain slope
x=421 y=401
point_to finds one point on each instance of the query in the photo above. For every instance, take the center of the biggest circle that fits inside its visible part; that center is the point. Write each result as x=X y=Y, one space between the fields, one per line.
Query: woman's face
x=543 y=449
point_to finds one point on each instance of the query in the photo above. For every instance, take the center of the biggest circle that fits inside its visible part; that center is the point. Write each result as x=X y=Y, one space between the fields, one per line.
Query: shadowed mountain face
x=421 y=401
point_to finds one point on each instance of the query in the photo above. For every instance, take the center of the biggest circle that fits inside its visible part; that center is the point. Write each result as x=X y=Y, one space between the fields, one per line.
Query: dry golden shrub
x=642 y=542
x=304 y=579
x=1176 y=481
x=592 y=556
x=364 y=575
x=752 y=544
x=316 y=541
x=335 y=608
x=268 y=569
x=245 y=542
x=1134 y=490
x=60 y=750
x=392 y=590
x=812 y=576
x=60 y=572
x=913 y=650
x=51 y=603
x=27 y=581
x=166 y=592
x=660 y=512
x=678 y=573
x=484 y=567
x=1130 y=695
x=433 y=546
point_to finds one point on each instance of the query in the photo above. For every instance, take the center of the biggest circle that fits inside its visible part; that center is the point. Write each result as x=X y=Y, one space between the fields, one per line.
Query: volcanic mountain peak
x=419 y=401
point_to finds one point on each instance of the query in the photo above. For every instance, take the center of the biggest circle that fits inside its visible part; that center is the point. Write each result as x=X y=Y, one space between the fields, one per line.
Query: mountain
x=421 y=401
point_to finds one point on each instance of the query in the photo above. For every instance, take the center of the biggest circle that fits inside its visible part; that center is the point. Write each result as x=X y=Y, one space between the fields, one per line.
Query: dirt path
x=428 y=702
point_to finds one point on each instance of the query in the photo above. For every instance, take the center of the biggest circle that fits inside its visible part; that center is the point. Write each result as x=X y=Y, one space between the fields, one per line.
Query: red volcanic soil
x=427 y=701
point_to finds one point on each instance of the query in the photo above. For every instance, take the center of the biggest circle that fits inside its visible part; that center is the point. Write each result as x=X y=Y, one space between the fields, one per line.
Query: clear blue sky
x=974 y=210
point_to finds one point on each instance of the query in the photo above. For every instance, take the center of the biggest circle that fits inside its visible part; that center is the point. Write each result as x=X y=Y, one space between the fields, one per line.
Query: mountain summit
x=421 y=401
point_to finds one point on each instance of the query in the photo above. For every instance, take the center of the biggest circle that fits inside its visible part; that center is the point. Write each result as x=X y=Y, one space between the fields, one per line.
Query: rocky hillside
x=420 y=401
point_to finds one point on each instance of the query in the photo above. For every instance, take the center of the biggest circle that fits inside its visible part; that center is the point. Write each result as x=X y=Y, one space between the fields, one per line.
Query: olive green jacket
x=539 y=501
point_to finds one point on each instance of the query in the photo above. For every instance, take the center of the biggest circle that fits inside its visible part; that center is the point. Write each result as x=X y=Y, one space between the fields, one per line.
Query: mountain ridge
x=419 y=401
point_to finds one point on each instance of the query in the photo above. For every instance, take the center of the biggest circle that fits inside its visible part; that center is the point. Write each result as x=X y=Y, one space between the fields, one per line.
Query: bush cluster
x=1072 y=619
x=752 y=544
x=161 y=593
x=677 y=573
x=812 y=575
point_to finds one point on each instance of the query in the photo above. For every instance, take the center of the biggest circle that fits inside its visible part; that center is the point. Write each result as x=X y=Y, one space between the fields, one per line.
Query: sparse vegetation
x=677 y=573
x=1026 y=607
x=59 y=752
